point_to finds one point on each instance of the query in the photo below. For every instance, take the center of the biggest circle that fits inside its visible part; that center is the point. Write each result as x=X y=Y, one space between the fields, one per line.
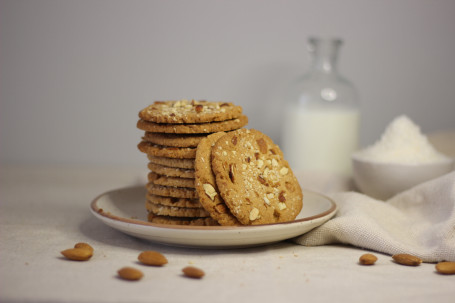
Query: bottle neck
x=324 y=54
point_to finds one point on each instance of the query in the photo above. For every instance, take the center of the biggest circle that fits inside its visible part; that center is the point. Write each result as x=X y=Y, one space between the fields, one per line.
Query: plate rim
x=106 y=215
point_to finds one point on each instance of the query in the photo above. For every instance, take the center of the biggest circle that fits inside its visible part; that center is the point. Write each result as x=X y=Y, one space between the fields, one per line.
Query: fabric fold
x=419 y=221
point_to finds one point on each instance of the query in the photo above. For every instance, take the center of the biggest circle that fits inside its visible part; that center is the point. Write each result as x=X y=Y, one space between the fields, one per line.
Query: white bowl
x=384 y=180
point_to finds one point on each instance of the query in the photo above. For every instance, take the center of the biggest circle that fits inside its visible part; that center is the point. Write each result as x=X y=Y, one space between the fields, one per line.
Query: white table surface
x=44 y=210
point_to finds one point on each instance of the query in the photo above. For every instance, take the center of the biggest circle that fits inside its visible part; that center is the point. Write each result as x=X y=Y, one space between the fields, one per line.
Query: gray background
x=74 y=74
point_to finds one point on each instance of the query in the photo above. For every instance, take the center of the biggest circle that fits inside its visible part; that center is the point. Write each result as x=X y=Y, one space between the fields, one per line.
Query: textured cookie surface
x=164 y=210
x=167 y=151
x=193 y=128
x=254 y=180
x=206 y=184
x=171 y=201
x=170 y=181
x=171 y=171
x=170 y=191
x=176 y=140
x=186 y=111
x=181 y=220
x=172 y=162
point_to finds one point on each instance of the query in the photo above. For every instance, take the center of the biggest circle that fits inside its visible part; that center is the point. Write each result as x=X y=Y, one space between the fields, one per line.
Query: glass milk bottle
x=321 y=121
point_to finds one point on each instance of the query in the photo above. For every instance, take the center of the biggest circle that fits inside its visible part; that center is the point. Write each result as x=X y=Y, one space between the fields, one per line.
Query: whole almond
x=193 y=272
x=367 y=259
x=83 y=245
x=152 y=258
x=77 y=254
x=130 y=273
x=446 y=268
x=199 y=108
x=406 y=259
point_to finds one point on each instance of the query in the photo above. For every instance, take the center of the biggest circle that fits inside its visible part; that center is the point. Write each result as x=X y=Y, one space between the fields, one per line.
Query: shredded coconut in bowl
x=402 y=143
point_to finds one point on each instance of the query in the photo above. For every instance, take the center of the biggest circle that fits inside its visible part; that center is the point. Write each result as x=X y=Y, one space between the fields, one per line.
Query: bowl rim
x=442 y=161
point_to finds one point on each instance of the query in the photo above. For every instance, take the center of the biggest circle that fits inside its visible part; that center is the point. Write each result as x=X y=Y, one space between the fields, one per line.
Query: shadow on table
x=93 y=229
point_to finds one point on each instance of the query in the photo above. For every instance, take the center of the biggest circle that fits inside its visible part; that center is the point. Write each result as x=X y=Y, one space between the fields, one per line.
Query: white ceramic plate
x=124 y=210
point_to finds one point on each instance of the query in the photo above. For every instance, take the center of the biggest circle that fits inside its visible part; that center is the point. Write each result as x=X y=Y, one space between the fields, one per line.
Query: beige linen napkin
x=419 y=221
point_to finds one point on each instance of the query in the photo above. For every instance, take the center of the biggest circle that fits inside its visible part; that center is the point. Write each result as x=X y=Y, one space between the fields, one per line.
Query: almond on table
x=193 y=272
x=446 y=268
x=152 y=258
x=407 y=259
x=367 y=259
x=80 y=252
x=83 y=245
x=77 y=254
x=130 y=273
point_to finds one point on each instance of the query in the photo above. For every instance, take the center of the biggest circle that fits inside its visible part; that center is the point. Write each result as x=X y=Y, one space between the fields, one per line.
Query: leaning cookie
x=206 y=185
x=185 y=111
x=254 y=179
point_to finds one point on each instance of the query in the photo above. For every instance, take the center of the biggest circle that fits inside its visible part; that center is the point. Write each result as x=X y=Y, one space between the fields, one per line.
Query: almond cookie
x=167 y=151
x=163 y=210
x=254 y=180
x=170 y=181
x=171 y=201
x=206 y=185
x=172 y=162
x=175 y=140
x=193 y=128
x=170 y=191
x=171 y=171
x=208 y=221
x=185 y=111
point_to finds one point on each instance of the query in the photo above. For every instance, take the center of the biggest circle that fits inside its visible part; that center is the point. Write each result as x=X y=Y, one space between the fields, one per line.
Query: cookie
x=193 y=128
x=166 y=151
x=172 y=162
x=185 y=111
x=170 y=191
x=175 y=140
x=164 y=210
x=170 y=181
x=254 y=179
x=171 y=201
x=205 y=183
x=181 y=221
x=171 y=171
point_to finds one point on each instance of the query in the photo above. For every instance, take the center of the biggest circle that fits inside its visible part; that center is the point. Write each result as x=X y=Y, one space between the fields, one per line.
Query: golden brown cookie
x=193 y=128
x=175 y=140
x=166 y=151
x=171 y=201
x=185 y=111
x=171 y=171
x=206 y=184
x=170 y=181
x=208 y=221
x=170 y=191
x=254 y=179
x=164 y=210
x=172 y=162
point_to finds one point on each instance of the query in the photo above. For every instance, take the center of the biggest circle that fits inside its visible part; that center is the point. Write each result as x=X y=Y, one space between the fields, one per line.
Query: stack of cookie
x=173 y=130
